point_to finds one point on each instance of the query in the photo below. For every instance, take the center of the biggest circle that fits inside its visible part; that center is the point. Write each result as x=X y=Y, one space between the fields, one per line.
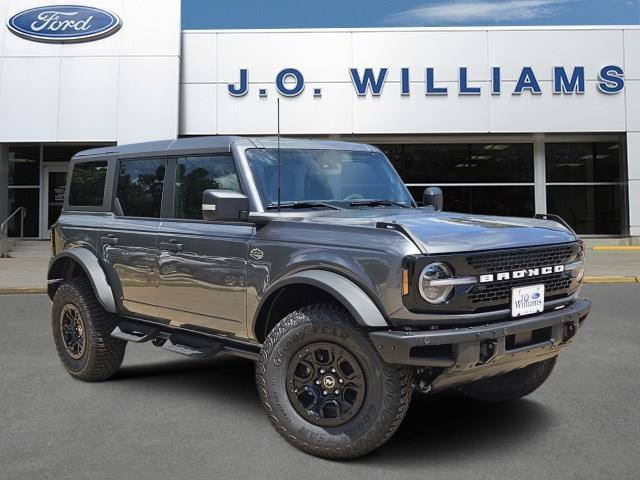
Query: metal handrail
x=4 y=230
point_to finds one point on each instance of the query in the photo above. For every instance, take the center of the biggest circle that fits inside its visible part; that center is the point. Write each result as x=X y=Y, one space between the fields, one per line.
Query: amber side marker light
x=405 y=281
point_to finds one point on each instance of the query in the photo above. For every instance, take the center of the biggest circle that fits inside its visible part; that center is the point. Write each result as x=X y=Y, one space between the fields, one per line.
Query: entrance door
x=55 y=180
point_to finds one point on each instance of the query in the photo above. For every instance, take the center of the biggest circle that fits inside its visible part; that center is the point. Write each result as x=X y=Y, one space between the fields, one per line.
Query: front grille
x=498 y=293
x=501 y=291
x=519 y=259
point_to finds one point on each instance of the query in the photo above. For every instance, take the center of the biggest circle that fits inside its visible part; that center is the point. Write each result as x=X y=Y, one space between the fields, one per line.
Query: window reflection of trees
x=140 y=187
x=87 y=184
x=195 y=175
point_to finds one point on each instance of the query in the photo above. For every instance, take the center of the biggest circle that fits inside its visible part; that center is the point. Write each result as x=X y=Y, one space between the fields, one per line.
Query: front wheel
x=512 y=385
x=324 y=386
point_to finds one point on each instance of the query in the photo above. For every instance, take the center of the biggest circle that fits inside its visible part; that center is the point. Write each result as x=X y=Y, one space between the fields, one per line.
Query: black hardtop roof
x=212 y=144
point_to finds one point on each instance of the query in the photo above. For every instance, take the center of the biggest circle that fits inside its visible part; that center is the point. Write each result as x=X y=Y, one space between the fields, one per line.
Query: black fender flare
x=92 y=268
x=351 y=296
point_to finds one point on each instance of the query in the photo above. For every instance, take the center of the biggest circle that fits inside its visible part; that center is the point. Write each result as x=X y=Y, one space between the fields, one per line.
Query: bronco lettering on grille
x=525 y=273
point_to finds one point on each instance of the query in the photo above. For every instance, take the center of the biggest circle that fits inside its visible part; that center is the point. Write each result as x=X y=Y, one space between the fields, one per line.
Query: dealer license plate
x=527 y=300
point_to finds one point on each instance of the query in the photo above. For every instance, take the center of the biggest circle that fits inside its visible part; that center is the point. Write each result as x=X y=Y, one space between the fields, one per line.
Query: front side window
x=194 y=175
x=335 y=177
x=87 y=184
x=140 y=185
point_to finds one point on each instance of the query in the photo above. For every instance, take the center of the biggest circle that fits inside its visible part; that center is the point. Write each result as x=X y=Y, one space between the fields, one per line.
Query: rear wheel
x=512 y=385
x=82 y=333
x=324 y=386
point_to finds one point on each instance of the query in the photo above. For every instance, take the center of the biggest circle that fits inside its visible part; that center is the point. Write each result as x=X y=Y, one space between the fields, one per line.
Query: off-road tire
x=103 y=354
x=512 y=385
x=388 y=387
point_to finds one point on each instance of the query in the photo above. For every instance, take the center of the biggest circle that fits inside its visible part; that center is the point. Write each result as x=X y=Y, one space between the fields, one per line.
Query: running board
x=180 y=340
x=134 y=331
x=191 y=347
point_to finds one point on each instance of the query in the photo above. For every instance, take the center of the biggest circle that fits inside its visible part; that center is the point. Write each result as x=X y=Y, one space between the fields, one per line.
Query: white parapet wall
x=122 y=88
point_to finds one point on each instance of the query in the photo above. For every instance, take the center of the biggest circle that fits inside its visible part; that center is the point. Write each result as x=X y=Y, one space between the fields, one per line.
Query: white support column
x=633 y=167
x=539 y=174
x=4 y=183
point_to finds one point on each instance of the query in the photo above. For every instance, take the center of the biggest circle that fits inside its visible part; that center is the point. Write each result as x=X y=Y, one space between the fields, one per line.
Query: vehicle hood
x=446 y=232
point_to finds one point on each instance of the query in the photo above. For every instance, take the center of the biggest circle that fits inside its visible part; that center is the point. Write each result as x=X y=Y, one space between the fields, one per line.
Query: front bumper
x=494 y=348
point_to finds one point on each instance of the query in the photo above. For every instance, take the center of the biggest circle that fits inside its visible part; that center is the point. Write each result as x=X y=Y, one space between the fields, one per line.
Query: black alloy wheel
x=326 y=384
x=73 y=331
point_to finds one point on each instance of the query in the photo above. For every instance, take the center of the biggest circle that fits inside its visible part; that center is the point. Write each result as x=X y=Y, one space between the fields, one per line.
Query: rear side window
x=140 y=185
x=194 y=175
x=87 y=184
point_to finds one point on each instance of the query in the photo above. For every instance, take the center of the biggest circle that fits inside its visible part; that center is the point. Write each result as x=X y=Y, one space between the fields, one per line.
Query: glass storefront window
x=584 y=186
x=486 y=200
x=435 y=163
x=589 y=209
x=583 y=162
x=24 y=165
x=27 y=164
x=468 y=163
x=61 y=153
x=395 y=154
x=463 y=171
x=30 y=199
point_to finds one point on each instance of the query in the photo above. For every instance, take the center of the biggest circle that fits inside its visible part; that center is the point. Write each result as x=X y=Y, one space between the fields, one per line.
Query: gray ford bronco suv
x=311 y=258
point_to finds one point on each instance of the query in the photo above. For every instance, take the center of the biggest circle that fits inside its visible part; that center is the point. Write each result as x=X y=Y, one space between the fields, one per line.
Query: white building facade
x=511 y=121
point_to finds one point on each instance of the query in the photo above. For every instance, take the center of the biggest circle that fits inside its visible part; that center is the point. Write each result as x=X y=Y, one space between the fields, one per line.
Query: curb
x=616 y=248
x=611 y=279
x=22 y=290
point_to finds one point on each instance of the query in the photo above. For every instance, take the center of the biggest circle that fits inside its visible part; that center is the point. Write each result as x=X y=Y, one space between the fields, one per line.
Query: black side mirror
x=224 y=205
x=432 y=197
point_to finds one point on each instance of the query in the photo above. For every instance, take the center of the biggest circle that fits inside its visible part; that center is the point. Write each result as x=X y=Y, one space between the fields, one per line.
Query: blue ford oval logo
x=64 y=23
x=535 y=295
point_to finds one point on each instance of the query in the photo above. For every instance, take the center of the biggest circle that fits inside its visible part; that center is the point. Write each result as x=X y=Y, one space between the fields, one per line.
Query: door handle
x=172 y=245
x=109 y=240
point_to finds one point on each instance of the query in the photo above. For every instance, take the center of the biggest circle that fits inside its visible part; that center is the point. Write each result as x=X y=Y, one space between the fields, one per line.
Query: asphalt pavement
x=168 y=417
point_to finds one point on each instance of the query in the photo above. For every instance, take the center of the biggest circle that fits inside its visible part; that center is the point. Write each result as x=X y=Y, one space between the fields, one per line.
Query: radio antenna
x=278 y=150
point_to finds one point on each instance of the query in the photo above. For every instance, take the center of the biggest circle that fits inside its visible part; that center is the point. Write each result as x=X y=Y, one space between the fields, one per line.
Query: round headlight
x=428 y=283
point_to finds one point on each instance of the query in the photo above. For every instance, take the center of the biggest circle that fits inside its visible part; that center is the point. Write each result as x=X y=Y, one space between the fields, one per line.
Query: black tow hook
x=569 y=331
x=488 y=350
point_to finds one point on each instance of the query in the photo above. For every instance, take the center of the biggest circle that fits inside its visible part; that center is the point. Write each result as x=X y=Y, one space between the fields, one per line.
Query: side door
x=129 y=238
x=202 y=266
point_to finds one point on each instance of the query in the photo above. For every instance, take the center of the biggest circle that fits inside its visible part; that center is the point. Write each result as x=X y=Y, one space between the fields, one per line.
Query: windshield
x=325 y=178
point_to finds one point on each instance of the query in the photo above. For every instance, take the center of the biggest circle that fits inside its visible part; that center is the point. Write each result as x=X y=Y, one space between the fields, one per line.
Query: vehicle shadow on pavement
x=198 y=377
x=449 y=426
x=438 y=428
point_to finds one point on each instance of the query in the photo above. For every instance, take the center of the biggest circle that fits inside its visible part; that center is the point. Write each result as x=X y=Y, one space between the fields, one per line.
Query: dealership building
x=508 y=121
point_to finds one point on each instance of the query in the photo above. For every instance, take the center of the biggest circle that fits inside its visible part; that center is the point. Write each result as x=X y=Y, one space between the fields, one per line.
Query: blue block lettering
x=243 y=85
x=562 y=84
x=368 y=81
x=611 y=80
x=431 y=88
x=527 y=81
x=283 y=88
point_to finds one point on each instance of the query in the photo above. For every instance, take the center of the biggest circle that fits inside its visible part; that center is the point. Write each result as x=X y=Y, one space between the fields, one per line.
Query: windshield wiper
x=378 y=203
x=303 y=204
